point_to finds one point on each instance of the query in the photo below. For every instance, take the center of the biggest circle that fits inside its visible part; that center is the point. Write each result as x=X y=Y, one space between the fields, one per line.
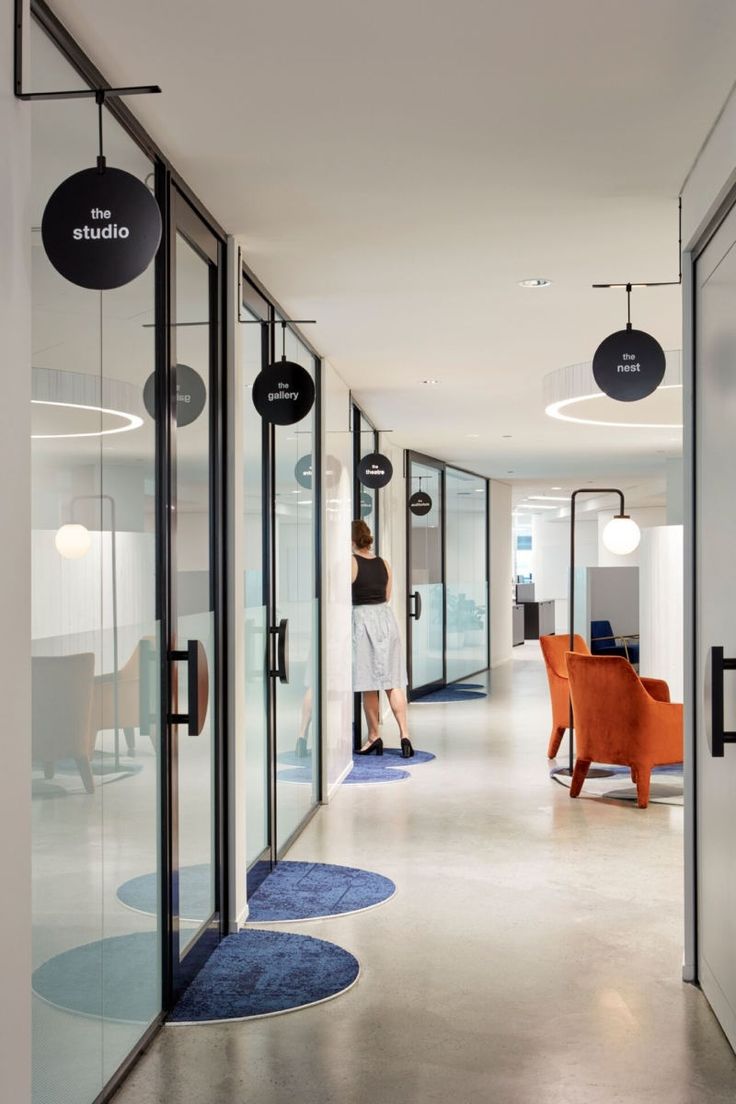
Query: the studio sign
x=101 y=229
x=629 y=365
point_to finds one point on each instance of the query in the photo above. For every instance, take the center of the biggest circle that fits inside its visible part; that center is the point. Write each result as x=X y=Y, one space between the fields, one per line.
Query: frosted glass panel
x=465 y=574
x=426 y=582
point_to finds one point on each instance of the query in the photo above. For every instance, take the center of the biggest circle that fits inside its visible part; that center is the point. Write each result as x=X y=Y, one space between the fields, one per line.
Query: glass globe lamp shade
x=621 y=536
x=73 y=541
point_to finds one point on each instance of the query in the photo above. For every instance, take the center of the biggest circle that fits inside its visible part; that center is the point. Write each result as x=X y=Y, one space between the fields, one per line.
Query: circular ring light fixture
x=574 y=386
x=115 y=400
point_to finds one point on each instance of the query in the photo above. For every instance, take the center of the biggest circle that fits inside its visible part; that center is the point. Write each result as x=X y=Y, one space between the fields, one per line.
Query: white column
x=15 y=578
x=501 y=574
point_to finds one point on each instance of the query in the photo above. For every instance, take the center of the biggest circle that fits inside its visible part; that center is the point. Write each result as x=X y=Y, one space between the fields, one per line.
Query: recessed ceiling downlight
x=535 y=282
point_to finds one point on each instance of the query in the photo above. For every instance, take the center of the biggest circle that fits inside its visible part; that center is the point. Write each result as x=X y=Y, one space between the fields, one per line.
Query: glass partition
x=295 y=519
x=95 y=636
x=426 y=592
x=466 y=573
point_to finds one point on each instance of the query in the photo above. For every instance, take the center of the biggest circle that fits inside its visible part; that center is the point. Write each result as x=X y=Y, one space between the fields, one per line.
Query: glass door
x=466 y=573
x=714 y=697
x=366 y=505
x=425 y=578
x=194 y=510
x=294 y=629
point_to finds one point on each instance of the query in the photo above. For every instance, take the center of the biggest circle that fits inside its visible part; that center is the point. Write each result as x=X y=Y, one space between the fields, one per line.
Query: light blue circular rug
x=250 y=974
x=291 y=891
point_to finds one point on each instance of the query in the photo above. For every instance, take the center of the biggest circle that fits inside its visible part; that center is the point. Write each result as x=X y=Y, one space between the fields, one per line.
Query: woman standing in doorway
x=378 y=662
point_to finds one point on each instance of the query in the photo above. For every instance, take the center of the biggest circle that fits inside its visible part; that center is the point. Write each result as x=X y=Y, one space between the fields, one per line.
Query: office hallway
x=531 y=955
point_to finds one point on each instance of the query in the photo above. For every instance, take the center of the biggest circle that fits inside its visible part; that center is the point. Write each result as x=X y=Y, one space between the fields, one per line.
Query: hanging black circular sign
x=303 y=472
x=629 y=365
x=283 y=393
x=101 y=229
x=375 y=470
x=366 y=504
x=191 y=395
x=420 y=503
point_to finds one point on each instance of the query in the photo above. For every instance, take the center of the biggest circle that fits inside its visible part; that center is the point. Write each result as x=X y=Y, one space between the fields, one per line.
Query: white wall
x=502 y=572
x=337 y=490
x=15 y=580
x=661 y=612
x=551 y=560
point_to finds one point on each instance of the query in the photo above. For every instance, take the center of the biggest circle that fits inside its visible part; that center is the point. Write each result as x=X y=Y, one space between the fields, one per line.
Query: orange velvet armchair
x=621 y=719
x=554 y=650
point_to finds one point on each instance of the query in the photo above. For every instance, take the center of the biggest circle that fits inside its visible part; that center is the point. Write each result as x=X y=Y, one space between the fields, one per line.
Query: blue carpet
x=450 y=694
x=304 y=891
x=258 y=973
x=292 y=891
x=253 y=973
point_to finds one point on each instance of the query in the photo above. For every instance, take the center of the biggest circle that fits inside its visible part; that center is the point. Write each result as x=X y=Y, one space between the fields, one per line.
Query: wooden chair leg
x=643 y=779
x=85 y=771
x=579 y=775
x=554 y=741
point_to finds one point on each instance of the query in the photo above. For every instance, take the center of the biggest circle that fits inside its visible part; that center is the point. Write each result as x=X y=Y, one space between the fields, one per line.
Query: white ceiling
x=394 y=168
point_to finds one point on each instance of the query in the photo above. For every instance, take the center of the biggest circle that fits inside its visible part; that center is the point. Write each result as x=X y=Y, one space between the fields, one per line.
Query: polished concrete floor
x=532 y=954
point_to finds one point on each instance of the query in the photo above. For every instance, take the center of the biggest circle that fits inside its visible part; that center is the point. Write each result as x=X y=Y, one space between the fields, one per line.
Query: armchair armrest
x=657 y=689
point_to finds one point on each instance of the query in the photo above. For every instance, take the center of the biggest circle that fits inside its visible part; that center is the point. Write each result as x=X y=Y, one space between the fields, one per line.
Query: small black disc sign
x=101 y=229
x=375 y=470
x=303 y=472
x=366 y=504
x=283 y=393
x=629 y=365
x=420 y=503
x=191 y=395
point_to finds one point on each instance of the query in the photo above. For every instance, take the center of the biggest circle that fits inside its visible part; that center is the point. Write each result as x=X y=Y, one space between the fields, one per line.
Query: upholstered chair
x=61 y=725
x=621 y=719
x=554 y=651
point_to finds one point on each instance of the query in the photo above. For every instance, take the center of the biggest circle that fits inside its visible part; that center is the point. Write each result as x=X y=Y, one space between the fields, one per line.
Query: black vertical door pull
x=714 y=718
x=281 y=668
x=416 y=597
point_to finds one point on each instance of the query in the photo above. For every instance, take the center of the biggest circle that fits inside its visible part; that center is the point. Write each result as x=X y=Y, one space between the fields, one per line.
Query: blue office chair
x=604 y=642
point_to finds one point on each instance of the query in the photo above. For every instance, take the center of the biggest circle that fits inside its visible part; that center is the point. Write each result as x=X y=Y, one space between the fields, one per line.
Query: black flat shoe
x=376 y=745
x=406 y=749
x=302 y=751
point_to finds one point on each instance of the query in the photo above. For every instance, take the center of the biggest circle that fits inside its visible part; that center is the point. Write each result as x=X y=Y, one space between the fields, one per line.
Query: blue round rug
x=291 y=891
x=253 y=973
x=450 y=694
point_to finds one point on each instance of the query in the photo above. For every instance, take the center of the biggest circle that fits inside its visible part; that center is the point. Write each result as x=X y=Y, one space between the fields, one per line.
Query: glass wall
x=466 y=574
x=426 y=597
x=294 y=538
x=256 y=599
x=95 y=742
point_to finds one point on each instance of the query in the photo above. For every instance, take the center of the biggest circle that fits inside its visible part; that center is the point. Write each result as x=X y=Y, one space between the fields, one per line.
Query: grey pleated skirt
x=378 y=656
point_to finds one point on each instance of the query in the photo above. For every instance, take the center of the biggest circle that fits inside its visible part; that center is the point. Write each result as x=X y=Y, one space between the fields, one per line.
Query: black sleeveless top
x=369 y=588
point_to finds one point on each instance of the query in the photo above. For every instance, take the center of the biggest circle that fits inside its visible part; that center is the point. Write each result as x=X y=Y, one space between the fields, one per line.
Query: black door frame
x=410 y=456
x=185 y=221
x=255 y=299
x=357 y=418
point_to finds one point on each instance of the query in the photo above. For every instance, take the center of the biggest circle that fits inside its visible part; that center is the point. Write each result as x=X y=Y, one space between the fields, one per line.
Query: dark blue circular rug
x=292 y=891
x=392 y=754
x=449 y=694
x=253 y=973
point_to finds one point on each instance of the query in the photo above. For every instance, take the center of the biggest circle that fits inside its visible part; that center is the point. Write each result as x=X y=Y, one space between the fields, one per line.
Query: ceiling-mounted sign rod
x=66 y=94
x=657 y=283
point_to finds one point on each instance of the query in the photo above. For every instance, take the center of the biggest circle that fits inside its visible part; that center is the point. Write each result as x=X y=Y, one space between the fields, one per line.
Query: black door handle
x=198 y=687
x=714 y=718
x=417 y=605
x=281 y=670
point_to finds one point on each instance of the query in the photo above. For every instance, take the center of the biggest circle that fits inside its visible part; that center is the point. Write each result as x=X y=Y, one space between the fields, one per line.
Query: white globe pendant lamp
x=73 y=541
x=621 y=535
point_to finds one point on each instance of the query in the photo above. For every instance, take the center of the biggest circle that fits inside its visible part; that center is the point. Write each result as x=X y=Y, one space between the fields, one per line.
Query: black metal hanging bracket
x=655 y=283
x=67 y=94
